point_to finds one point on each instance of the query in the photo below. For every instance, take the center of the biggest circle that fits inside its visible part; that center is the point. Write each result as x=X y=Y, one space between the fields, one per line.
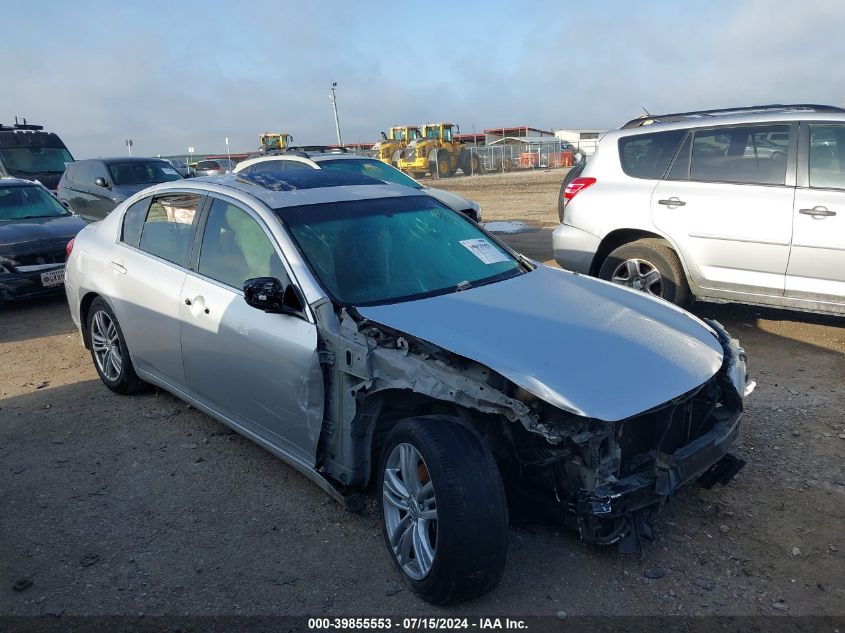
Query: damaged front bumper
x=618 y=511
x=611 y=512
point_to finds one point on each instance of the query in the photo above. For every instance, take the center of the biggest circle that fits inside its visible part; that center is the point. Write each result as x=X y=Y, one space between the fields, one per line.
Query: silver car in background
x=213 y=167
x=744 y=205
x=367 y=334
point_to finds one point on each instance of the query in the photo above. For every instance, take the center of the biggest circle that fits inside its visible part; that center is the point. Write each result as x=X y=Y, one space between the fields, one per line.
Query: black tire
x=571 y=175
x=418 y=174
x=125 y=381
x=441 y=165
x=472 y=518
x=652 y=253
x=472 y=165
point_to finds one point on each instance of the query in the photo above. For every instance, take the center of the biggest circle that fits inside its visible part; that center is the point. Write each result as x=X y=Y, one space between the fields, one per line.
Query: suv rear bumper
x=574 y=249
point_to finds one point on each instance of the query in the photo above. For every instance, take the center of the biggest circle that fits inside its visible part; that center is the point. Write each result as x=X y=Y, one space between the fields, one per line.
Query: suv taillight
x=575 y=187
x=69 y=247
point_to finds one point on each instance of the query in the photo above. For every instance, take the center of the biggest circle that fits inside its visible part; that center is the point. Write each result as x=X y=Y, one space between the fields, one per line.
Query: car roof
x=119 y=159
x=301 y=187
x=18 y=182
x=717 y=120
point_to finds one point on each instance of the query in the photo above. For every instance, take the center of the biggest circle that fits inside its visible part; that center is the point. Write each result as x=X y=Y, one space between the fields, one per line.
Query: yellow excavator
x=436 y=152
x=269 y=141
x=389 y=148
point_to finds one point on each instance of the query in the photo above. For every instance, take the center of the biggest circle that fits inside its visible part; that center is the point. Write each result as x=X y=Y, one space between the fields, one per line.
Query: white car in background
x=743 y=205
x=338 y=159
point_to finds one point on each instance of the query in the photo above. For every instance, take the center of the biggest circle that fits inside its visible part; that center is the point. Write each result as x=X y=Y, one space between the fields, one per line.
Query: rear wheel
x=472 y=165
x=108 y=350
x=443 y=509
x=649 y=265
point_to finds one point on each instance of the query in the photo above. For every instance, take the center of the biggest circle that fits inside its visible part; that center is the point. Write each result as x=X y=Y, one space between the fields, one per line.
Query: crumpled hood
x=584 y=345
x=19 y=233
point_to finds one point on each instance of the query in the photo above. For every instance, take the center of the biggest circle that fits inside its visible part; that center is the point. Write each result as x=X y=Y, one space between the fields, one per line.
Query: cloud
x=169 y=75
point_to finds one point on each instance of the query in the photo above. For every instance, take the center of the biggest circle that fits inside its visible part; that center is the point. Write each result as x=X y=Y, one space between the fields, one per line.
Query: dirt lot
x=112 y=505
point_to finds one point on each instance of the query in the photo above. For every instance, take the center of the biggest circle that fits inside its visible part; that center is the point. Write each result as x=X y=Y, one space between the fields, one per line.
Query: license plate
x=53 y=278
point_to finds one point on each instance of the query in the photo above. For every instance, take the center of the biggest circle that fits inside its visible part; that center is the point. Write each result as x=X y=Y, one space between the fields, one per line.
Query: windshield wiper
x=464 y=285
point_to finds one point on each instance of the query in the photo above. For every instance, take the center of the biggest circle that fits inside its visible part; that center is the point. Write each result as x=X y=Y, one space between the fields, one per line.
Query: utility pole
x=228 y=154
x=129 y=146
x=333 y=97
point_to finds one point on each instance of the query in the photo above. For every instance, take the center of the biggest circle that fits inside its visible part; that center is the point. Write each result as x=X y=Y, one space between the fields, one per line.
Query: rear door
x=816 y=270
x=145 y=277
x=259 y=370
x=726 y=202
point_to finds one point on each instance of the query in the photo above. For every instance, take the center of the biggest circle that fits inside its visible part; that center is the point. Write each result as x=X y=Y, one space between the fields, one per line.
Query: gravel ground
x=128 y=505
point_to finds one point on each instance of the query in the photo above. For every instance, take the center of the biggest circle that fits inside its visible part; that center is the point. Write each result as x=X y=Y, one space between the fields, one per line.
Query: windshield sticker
x=170 y=171
x=484 y=251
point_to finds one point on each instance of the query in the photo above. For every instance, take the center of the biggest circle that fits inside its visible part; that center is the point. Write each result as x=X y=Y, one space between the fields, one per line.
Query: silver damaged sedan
x=374 y=339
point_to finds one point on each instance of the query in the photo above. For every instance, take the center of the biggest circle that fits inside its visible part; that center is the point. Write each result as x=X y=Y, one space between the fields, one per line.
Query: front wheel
x=443 y=508
x=649 y=265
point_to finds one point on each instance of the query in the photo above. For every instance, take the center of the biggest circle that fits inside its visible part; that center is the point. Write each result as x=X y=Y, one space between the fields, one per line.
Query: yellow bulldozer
x=269 y=141
x=438 y=153
x=389 y=148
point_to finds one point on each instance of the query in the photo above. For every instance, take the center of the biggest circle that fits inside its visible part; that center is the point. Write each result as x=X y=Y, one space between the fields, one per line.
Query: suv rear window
x=648 y=155
x=741 y=154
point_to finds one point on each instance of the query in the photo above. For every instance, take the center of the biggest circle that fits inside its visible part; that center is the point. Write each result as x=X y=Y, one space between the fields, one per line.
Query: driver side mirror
x=101 y=182
x=268 y=294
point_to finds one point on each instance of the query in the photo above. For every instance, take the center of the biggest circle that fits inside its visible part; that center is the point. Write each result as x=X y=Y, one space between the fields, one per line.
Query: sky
x=175 y=74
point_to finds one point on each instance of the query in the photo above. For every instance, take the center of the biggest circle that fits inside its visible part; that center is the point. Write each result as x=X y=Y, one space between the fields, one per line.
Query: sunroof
x=306 y=179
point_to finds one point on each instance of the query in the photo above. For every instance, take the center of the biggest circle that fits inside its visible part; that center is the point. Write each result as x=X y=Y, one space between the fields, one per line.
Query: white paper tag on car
x=170 y=171
x=484 y=251
x=53 y=278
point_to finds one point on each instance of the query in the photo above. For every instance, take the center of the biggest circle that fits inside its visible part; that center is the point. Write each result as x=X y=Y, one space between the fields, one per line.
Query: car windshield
x=21 y=203
x=388 y=250
x=141 y=173
x=36 y=160
x=372 y=168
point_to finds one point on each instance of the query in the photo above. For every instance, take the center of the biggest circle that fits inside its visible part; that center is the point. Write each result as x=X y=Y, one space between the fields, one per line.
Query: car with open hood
x=375 y=339
x=34 y=233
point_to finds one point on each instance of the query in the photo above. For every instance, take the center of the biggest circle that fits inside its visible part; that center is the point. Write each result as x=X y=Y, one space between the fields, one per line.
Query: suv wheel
x=108 y=350
x=443 y=509
x=648 y=265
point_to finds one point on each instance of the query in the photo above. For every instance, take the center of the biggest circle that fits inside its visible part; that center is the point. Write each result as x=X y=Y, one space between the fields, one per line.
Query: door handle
x=118 y=267
x=818 y=212
x=672 y=202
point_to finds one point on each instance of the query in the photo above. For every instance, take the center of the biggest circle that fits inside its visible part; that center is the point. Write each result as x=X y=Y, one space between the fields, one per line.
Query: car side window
x=80 y=176
x=648 y=155
x=268 y=167
x=133 y=222
x=98 y=170
x=827 y=156
x=167 y=228
x=236 y=248
x=741 y=154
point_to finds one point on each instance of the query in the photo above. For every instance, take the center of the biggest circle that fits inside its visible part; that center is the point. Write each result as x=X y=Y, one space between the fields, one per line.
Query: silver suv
x=744 y=205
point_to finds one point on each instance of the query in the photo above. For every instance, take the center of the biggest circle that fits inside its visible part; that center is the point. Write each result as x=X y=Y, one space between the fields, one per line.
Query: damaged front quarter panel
x=604 y=478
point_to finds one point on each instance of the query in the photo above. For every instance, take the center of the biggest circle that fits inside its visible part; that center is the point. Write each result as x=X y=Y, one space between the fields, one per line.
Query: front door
x=259 y=370
x=816 y=270
x=727 y=204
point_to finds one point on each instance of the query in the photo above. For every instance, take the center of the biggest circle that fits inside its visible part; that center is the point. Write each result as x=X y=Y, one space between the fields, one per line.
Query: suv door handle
x=818 y=212
x=672 y=202
x=118 y=267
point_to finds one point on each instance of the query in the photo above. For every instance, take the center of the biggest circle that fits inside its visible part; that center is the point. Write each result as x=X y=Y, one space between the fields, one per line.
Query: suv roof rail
x=21 y=126
x=317 y=149
x=648 y=119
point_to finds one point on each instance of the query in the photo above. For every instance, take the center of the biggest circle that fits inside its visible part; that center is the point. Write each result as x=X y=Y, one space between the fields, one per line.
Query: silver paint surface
x=584 y=345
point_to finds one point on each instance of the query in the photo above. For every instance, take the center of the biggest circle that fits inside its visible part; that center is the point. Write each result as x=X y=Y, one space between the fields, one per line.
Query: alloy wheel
x=106 y=345
x=639 y=274
x=410 y=511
